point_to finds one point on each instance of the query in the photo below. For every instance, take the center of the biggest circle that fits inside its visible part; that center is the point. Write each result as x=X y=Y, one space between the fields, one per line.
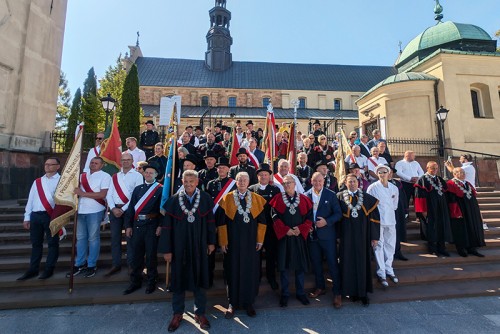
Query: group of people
x=298 y=220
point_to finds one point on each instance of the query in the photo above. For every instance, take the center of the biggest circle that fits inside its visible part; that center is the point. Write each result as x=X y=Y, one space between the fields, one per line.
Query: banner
x=269 y=140
x=170 y=173
x=235 y=146
x=111 y=149
x=292 y=150
x=167 y=109
x=66 y=201
x=343 y=151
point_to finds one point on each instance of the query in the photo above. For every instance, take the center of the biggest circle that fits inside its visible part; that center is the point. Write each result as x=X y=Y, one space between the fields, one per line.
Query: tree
x=113 y=81
x=63 y=105
x=130 y=116
x=93 y=114
x=75 y=117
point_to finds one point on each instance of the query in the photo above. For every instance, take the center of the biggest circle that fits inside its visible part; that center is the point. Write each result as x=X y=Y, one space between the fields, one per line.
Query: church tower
x=218 y=56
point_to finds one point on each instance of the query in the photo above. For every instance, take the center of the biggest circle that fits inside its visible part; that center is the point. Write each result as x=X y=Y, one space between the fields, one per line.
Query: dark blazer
x=259 y=155
x=329 y=209
x=365 y=151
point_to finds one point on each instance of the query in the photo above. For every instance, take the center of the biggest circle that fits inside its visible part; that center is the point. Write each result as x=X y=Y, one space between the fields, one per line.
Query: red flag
x=111 y=150
x=269 y=140
x=233 y=160
x=292 y=151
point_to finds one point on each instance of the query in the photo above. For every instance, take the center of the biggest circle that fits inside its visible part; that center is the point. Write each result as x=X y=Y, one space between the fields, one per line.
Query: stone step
x=488 y=194
x=422 y=259
x=492 y=233
x=420 y=246
x=24 y=236
x=485 y=189
x=482 y=200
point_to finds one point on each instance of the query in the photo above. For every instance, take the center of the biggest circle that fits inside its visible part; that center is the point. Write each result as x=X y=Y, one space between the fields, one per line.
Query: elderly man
x=91 y=207
x=466 y=221
x=241 y=236
x=363 y=144
x=136 y=153
x=187 y=239
x=120 y=191
x=243 y=166
x=284 y=170
x=388 y=197
x=359 y=232
x=373 y=162
x=409 y=171
x=431 y=207
x=142 y=221
x=377 y=138
x=323 y=237
x=253 y=149
x=292 y=216
x=94 y=152
x=357 y=158
x=467 y=167
x=148 y=139
x=37 y=220
x=304 y=171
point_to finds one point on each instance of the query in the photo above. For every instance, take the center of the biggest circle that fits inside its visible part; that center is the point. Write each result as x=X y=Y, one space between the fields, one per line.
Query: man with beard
x=466 y=221
x=268 y=191
x=241 y=236
x=243 y=166
x=211 y=145
x=187 y=239
x=431 y=207
x=359 y=231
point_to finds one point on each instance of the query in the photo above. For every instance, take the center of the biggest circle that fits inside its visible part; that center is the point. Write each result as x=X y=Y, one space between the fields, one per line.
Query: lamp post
x=108 y=103
x=441 y=115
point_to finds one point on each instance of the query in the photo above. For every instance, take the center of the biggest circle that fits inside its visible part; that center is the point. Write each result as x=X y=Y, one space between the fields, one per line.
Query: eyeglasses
x=127 y=160
x=99 y=138
x=288 y=183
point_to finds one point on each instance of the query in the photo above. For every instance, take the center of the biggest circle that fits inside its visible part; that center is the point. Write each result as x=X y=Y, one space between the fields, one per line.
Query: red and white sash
x=353 y=158
x=96 y=152
x=88 y=189
x=119 y=189
x=373 y=162
x=278 y=178
x=227 y=188
x=43 y=196
x=145 y=199
x=253 y=159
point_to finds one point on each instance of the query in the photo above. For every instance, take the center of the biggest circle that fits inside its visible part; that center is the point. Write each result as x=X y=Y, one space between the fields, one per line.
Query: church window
x=204 y=101
x=231 y=102
x=481 y=101
x=302 y=103
x=475 y=104
x=265 y=101
x=337 y=104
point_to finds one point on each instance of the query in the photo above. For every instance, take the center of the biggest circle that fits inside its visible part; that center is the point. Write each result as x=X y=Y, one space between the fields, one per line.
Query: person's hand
x=296 y=231
x=320 y=222
x=117 y=212
x=223 y=249
x=290 y=232
x=210 y=249
x=414 y=179
x=374 y=243
x=258 y=247
x=424 y=214
x=128 y=232
x=158 y=231
x=167 y=257
x=78 y=192
x=26 y=225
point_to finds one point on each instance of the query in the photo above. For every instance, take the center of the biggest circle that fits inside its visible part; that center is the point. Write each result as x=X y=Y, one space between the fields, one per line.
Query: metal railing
x=421 y=147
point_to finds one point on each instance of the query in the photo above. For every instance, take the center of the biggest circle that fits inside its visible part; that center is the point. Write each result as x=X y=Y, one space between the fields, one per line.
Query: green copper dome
x=401 y=77
x=449 y=35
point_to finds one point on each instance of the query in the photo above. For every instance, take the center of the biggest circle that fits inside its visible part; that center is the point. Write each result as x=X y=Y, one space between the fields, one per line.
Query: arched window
x=205 y=101
x=337 y=104
x=265 y=101
x=302 y=103
x=481 y=101
x=476 y=108
x=231 y=102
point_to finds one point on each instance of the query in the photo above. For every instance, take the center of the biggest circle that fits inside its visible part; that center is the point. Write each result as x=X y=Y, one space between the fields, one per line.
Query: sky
x=347 y=32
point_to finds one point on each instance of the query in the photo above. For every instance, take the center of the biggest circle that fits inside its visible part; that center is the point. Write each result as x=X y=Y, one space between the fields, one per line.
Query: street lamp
x=441 y=115
x=108 y=103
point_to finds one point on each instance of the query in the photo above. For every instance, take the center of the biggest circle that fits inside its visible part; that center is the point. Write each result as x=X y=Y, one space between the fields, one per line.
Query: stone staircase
x=422 y=277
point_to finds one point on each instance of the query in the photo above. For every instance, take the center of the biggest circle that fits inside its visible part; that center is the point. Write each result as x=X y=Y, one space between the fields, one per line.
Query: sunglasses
x=99 y=138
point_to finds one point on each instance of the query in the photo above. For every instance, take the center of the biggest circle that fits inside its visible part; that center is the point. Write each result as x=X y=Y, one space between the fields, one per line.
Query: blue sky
x=353 y=32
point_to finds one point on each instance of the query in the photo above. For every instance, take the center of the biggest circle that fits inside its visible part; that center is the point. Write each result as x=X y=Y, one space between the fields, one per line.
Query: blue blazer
x=329 y=209
x=259 y=155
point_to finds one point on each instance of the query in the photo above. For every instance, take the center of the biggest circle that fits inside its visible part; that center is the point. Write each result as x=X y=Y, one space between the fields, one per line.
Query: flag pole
x=75 y=225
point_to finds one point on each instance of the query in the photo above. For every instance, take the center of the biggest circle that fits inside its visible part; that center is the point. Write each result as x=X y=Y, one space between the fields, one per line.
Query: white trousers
x=384 y=252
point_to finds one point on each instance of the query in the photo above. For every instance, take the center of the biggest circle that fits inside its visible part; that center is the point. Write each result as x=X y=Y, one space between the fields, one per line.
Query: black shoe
x=27 y=275
x=46 y=274
x=303 y=299
x=76 y=271
x=365 y=301
x=90 y=272
x=251 y=311
x=443 y=253
x=284 y=301
x=462 y=252
x=400 y=256
x=150 y=289
x=475 y=253
x=113 y=271
x=274 y=284
x=354 y=299
x=131 y=288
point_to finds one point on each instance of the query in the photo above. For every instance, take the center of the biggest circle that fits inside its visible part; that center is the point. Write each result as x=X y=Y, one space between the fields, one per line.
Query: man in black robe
x=292 y=217
x=187 y=238
x=303 y=171
x=268 y=191
x=359 y=230
x=241 y=236
x=210 y=172
x=431 y=207
x=466 y=221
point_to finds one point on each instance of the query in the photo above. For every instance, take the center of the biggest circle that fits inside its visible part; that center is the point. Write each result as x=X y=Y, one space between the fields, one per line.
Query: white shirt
x=98 y=180
x=470 y=173
x=315 y=199
x=34 y=204
x=371 y=166
x=90 y=156
x=131 y=180
x=137 y=155
x=406 y=170
x=362 y=161
x=388 y=201
x=298 y=186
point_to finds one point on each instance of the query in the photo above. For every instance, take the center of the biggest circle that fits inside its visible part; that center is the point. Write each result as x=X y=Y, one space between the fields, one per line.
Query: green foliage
x=113 y=82
x=63 y=105
x=93 y=114
x=130 y=116
x=75 y=117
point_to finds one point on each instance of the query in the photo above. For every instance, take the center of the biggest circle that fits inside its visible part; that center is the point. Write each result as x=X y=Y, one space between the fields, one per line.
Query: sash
x=86 y=187
x=223 y=192
x=119 y=189
x=253 y=159
x=278 y=178
x=373 y=162
x=43 y=197
x=145 y=198
x=353 y=159
x=95 y=151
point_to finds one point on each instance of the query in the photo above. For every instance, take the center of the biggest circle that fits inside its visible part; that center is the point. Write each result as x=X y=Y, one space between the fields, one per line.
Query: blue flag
x=169 y=172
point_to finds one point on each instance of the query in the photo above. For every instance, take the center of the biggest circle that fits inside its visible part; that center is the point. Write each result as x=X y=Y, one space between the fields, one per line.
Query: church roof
x=401 y=77
x=168 y=72
x=244 y=113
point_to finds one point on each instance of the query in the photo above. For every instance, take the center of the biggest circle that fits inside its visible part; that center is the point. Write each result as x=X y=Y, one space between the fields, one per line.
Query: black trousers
x=116 y=227
x=409 y=191
x=144 y=243
x=39 y=227
x=271 y=254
